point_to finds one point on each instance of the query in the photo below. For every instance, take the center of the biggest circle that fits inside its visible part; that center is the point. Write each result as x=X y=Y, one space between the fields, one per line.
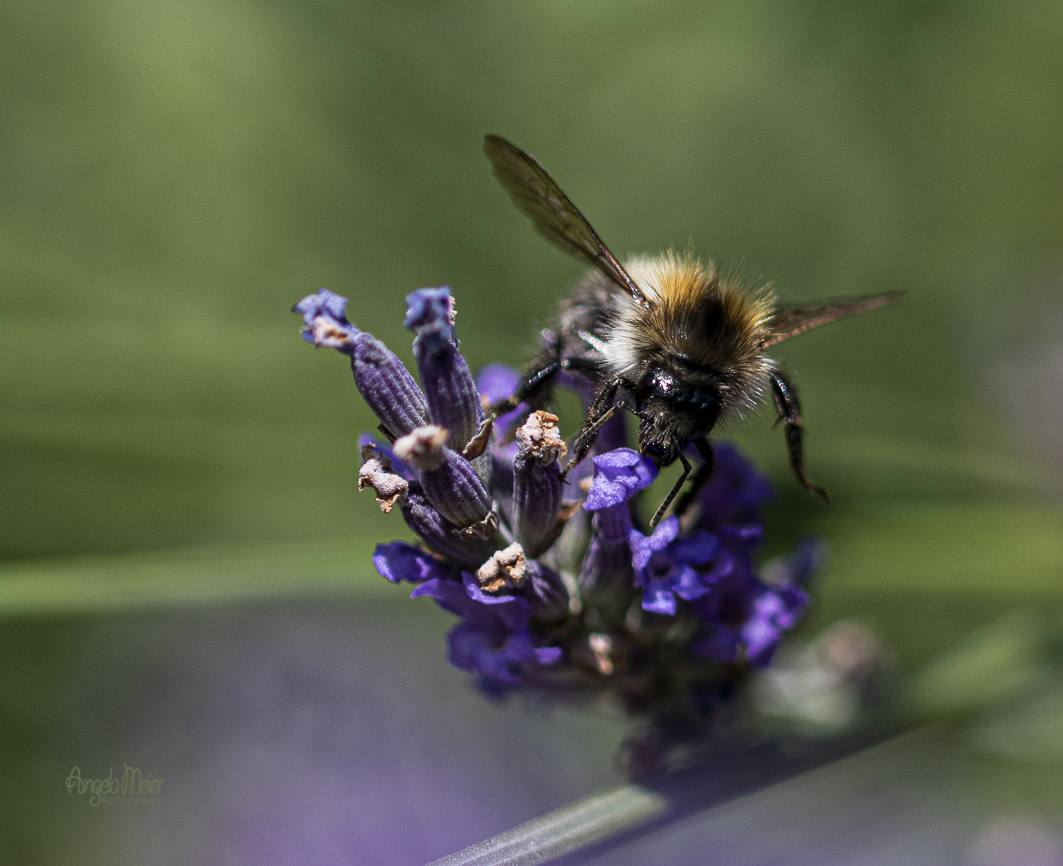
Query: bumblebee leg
x=582 y=365
x=663 y=507
x=700 y=477
x=602 y=409
x=790 y=412
x=535 y=383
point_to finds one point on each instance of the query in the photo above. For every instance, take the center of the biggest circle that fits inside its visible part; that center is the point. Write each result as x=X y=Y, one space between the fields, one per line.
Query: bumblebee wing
x=785 y=324
x=539 y=198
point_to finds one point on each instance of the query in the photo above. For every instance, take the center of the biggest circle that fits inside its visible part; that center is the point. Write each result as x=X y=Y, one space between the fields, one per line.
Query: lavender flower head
x=557 y=586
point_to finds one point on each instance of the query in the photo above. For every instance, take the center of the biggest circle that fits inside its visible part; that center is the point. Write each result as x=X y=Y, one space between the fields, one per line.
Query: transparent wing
x=555 y=217
x=789 y=323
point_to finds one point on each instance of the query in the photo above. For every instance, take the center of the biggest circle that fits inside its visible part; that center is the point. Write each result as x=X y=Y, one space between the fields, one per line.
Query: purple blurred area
x=333 y=731
x=322 y=732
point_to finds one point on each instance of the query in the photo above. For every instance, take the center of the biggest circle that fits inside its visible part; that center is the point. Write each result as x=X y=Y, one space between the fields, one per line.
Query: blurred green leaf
x=134 y=582
x=1004 y=548
x=175 y=176
x=1030 y=727
x=995 y=666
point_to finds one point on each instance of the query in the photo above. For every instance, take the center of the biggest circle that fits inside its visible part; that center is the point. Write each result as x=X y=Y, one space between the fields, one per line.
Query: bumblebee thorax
x=703 y=328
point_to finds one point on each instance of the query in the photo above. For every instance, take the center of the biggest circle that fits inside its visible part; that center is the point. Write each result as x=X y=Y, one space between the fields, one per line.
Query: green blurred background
x=175 y=175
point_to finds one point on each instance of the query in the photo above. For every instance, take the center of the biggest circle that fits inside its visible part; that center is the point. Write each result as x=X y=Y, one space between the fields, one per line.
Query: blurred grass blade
x=202 y=576
x=564 y=830
x=996 y=665
x=599 y=823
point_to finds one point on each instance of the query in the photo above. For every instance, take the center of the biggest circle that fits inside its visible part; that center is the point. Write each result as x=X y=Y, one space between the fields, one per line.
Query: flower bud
x=449 y=481
x=453 y=401
x=546 y=591
x=607 y=573
x=385 y=384
x=440 y=534
x=537 y=480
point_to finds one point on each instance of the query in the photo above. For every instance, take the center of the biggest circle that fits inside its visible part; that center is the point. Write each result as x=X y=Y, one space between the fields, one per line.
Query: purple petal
x=696 y=549
x=497 y=381
x=659 y=598
x=495 y=657
x=643 y=547
x=399 y=561
x=451 y=596
x=760 y=637
x=432 y=309
x=621 y=474
x=796 y=602
x=687 y=583
x=774 y=613
x=472 y=649
x=324 y=303
x=467 y=643
x=519 y=649
x=512 y=610
x=735 y=490
x=548 y=655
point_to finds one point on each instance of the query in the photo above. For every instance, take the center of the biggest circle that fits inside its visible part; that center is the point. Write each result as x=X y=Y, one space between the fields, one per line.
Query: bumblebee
x=667 y=338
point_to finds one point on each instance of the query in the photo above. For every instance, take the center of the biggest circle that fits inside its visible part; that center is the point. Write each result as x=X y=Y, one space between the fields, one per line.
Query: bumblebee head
x=672 y=412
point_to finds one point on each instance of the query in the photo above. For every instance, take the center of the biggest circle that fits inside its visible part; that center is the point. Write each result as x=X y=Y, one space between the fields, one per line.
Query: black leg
x=700 y=477
x=602 y=409
x=790 y=412
x=535 y=383
x=663 y=507
x=582 y=365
